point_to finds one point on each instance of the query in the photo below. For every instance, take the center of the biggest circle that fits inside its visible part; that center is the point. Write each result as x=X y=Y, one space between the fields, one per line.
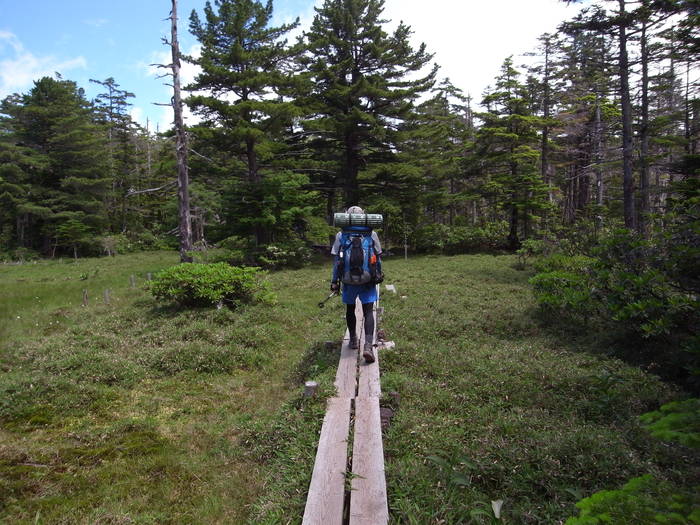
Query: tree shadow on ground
x=660 y=356
x=318 y=358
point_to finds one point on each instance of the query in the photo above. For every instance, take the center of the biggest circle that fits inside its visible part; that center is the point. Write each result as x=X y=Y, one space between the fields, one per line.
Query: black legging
x=367 y=311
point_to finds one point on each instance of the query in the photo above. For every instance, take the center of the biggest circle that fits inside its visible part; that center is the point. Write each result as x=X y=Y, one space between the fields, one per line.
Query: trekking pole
x=323 y=303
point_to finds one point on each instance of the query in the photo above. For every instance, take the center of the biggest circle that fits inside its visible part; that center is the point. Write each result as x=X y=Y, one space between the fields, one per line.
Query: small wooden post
x=310 y=388
x=106 y=295
x=132 y=280
x=148 y=276
x=85 y=298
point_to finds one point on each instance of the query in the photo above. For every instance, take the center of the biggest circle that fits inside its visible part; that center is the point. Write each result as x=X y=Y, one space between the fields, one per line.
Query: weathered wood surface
x=368 y=384
x=368 y=500
x=346 y=375
x=324 y=504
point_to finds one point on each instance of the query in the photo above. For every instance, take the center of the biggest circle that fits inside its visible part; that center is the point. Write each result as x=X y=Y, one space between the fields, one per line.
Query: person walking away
x=359 y=272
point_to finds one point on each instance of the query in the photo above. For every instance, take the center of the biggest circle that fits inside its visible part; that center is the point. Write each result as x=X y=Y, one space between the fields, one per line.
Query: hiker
x=369 y=274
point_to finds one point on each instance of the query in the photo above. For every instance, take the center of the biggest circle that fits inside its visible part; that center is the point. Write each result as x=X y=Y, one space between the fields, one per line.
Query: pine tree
x=358 y=87
x=244 y=79
x=55 y=123
x=508 y=147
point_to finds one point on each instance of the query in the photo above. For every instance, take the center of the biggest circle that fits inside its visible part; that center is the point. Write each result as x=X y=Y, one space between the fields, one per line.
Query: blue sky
x=84 y=39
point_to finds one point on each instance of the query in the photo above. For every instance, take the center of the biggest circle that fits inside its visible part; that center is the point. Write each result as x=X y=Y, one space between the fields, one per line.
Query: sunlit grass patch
x=135 y=410
x=139 y=411
x=508 y=409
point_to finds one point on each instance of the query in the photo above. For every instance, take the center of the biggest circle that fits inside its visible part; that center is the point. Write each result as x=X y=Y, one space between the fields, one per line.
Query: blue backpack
x=358 y=258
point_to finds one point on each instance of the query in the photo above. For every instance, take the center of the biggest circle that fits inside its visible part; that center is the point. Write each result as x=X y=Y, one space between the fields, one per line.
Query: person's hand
x=379 y=278
x=335 y=286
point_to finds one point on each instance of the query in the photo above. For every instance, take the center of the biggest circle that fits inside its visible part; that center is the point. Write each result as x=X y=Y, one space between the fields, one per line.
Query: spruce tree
x=358 y=90
x=508 y=146
x=111 y=108
x=241 y=95
x=434 y=140
x=55 y=122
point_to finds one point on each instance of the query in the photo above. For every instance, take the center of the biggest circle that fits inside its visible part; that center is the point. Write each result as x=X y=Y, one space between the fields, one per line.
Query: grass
x=494 y=405
x=135 y=412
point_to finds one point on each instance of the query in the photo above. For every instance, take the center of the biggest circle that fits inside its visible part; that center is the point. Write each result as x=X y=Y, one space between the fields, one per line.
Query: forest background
x=589 y=152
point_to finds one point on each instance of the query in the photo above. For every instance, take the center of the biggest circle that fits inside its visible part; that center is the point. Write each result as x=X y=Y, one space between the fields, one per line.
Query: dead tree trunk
x=643 y=212
x=627 y=151
x=183 y=193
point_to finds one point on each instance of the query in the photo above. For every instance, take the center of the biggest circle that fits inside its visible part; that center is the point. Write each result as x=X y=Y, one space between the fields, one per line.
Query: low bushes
x=239 y=251
x=452 y=240
x=210 y=284
x=641 y=500
x=637 y=286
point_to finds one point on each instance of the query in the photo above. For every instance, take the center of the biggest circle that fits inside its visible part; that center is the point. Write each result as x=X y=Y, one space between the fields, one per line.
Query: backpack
x=358 y=259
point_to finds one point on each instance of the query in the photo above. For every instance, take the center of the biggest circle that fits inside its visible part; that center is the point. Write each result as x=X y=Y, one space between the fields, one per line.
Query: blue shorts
x=366 y=292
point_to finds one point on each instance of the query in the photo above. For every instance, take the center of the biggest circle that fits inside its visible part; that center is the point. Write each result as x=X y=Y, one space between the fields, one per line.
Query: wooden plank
x=324 y=503
x=346 y=375
x=368 y=384
x=368 y=499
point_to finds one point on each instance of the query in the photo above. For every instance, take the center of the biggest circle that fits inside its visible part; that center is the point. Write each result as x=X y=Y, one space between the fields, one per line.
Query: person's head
x=356 y=210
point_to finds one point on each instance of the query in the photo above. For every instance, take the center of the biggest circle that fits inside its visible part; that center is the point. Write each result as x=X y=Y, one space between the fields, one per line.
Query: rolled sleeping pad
x=371 y=220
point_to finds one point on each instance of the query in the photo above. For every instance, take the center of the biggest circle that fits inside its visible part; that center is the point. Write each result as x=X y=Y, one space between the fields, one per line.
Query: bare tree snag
x=183 y=193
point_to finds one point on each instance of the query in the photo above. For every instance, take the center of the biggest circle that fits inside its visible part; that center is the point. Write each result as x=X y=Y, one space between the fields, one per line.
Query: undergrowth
x=496 y=409
x=137 y=411
x=133 y=411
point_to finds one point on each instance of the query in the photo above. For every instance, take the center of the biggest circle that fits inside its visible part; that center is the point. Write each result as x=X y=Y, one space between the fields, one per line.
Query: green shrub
x=640 y=500
x=131 y=242
x=287 y=255
x=530 y=248
x=677 y=421
x=197 y=284
x=318 y=230
x=560 y=261
x=452 y=240
x=241 y=251
x=24 y=254
x=640 y=286
x=564 y=293
x=235 y=243
x=218 y=255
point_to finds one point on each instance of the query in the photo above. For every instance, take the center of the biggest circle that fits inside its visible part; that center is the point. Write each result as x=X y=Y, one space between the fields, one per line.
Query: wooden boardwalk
x=357 y=400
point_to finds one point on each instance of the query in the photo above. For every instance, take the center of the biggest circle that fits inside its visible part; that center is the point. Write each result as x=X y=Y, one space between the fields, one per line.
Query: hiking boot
x=368 y=353
x=354 y=343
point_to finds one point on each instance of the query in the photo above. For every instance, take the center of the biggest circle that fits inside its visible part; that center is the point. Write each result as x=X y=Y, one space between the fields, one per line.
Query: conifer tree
x=241 y=94
x=111 y=108
x=508 y=144
x=434 y=139
x=358 y=88
x=56 y=123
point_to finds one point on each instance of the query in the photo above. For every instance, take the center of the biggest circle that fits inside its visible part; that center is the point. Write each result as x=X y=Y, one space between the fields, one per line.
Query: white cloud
x=95 y=22
x=471 y=39
x=188 y=72
x=20 y=67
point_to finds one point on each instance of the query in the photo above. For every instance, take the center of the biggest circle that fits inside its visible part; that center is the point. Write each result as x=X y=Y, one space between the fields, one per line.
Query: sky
x=88 y=39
